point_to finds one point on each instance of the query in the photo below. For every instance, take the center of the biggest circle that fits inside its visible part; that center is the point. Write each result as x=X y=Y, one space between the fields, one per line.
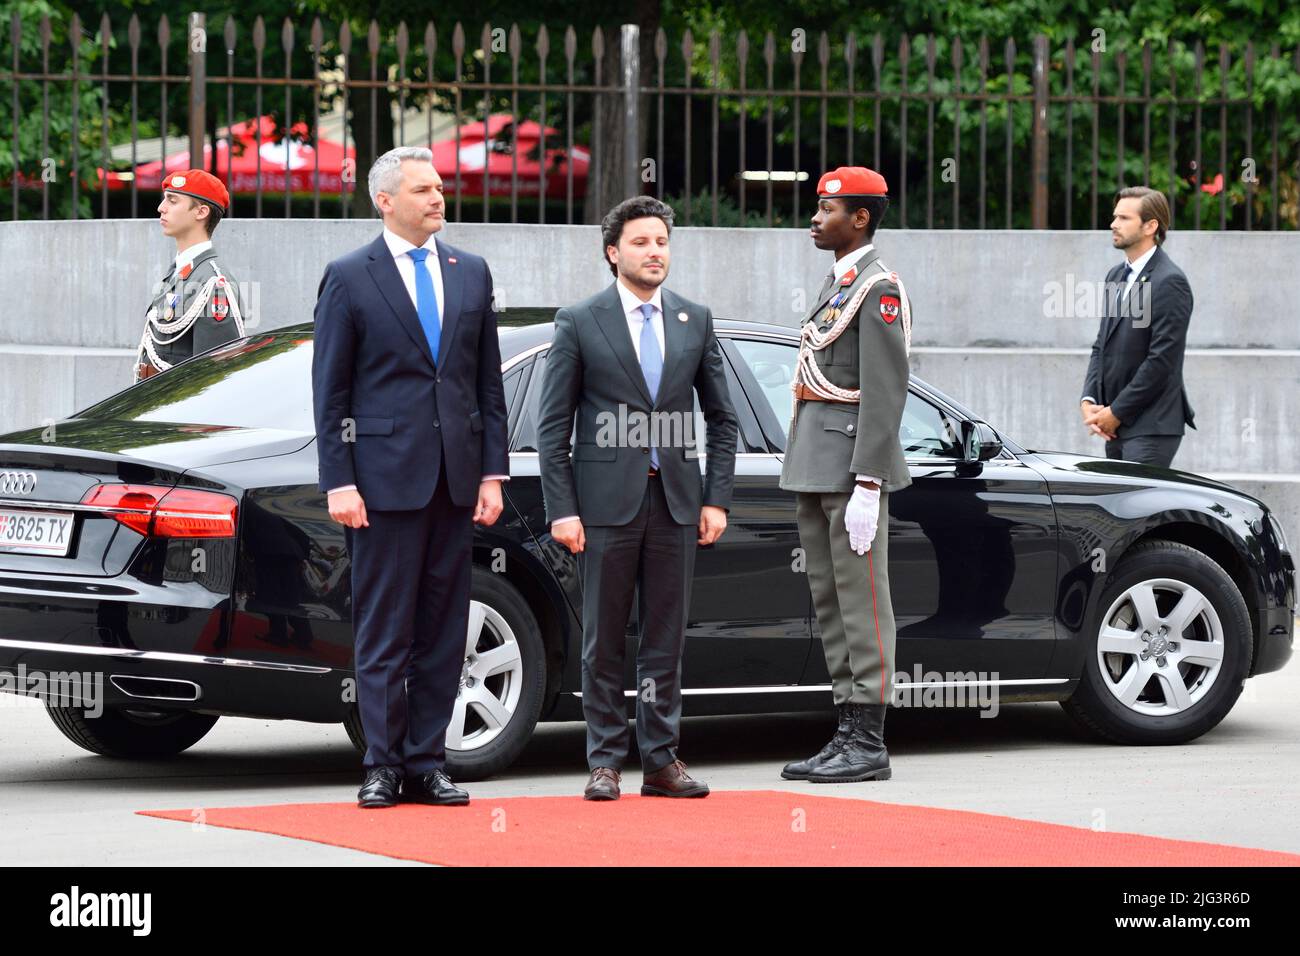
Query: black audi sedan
x=169 y=546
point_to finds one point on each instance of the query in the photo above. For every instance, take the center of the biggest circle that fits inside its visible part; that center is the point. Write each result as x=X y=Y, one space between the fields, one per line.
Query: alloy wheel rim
x=491 y=681
x=1160 y=648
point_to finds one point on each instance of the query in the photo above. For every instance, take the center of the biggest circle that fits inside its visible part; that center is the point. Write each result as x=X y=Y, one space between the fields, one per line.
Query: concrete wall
x=1003 y=319
x=87 y=283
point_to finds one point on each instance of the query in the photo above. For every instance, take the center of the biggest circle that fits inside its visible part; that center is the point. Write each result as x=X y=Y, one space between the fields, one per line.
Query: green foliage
x=50 y=158
x=1273 y=92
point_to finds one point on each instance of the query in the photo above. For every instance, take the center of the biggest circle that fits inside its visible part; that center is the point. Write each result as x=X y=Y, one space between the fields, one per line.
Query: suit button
x=437 y=425
x=645 y=451
x=438 y=380
x=849 y=427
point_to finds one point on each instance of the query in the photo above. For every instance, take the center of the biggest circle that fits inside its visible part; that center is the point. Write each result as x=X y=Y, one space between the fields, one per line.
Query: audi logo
x=17 y=482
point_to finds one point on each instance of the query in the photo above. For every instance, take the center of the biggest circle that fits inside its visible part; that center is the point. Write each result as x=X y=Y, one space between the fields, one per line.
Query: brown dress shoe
x=602 y=785
x=672 y=781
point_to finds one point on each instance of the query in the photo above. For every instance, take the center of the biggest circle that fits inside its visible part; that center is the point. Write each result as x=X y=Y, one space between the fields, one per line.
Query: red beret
x=852 y=181
x=201 y=185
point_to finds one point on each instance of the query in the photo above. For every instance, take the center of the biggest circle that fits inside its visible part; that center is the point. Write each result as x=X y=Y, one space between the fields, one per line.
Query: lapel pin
x=681 y=316
x=451 y=260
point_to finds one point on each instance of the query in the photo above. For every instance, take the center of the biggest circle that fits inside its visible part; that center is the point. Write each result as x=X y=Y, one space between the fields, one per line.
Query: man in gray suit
x=844 y=459
x=631 y=499
x=1133 y=392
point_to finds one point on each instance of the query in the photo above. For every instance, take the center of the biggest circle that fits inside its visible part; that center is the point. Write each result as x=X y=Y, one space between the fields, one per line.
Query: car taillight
x=163 y=513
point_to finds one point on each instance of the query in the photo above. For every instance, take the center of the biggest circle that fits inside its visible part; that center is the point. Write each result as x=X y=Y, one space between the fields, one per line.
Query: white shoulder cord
x=185 y=322
x=807 y=372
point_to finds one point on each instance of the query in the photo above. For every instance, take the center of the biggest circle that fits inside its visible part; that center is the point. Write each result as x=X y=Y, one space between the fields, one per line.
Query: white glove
x=861 y=517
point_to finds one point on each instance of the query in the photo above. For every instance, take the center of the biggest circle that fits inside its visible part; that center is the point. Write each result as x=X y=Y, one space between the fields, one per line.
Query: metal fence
x=980 y=134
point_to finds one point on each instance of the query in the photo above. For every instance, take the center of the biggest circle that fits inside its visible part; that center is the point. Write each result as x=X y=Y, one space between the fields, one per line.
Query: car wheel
x=122 y=732
x=501 y=684
x=1171 y=648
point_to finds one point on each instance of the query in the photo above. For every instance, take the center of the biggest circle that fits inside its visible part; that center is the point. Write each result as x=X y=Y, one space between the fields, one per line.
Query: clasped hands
x=1100 y=420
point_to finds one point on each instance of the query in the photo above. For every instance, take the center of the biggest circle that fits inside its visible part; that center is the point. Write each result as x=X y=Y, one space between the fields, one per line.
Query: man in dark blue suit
x=411 y=438
x=1134 y=395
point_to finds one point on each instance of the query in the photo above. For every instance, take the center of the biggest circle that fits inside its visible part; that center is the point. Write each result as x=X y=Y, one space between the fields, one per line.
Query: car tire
x=505 y=621
x=1128 y=698
x=136 y=733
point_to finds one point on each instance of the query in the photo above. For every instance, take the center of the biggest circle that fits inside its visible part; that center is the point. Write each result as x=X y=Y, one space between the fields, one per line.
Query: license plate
x=35 y=532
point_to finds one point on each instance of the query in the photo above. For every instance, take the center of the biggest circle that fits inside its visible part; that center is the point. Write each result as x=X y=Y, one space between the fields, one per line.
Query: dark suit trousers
x=1147 y=449
x=410 y=612
x=655 y=556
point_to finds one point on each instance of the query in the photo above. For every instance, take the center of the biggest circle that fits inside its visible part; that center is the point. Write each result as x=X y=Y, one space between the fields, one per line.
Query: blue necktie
x=652 y=361
x=426 y=300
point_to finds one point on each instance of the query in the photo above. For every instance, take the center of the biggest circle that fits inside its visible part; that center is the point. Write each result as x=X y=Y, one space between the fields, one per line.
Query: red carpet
x=727 y=828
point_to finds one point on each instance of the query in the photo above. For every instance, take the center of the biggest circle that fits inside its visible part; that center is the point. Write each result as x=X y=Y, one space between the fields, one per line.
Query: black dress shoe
x=380 y=787
x=862 y=756
x=799 y=769
x=433 y=787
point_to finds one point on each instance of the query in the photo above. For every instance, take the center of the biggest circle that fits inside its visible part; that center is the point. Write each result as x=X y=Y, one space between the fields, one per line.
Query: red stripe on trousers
x=872 y=567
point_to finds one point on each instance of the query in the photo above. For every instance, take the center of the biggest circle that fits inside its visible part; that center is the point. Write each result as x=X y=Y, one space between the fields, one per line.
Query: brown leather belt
x=804 y=394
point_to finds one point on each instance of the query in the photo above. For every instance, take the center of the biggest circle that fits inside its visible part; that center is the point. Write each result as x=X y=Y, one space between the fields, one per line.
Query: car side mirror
x=979 y=442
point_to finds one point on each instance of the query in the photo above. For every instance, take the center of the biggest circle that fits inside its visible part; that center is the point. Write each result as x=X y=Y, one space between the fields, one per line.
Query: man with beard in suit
x=1133 y=393
x=635 y=505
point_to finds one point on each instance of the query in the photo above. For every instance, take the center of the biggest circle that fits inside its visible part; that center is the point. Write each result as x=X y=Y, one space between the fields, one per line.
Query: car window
x=510 y=383
x=526 y=431
x=925 y=431
x=259 y=382
x=928 y=432
x=772 y=366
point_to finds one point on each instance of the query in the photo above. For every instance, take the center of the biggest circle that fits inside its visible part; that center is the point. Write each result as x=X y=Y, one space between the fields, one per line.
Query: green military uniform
x=831 y=442
x=850 y=389
x=195 y=308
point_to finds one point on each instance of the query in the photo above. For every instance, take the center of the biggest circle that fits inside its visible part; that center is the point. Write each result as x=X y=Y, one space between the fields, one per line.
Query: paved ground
x=1236 y=785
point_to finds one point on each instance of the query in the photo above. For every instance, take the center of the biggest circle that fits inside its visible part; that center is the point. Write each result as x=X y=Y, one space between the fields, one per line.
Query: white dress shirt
x=841 y=269
x=187 y=257
x=1135 y=267
x=636 y=321
x=399 y=247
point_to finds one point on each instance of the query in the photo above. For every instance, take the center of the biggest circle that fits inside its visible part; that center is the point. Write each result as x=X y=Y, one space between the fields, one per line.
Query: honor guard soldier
x=843 y=459
x=196 y=306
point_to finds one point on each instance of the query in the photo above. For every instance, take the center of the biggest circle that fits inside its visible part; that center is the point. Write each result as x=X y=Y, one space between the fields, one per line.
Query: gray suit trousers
x=654 y=556
x=1147 y=449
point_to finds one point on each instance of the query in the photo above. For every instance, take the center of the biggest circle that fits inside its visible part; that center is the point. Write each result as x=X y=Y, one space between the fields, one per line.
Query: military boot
x=799 y=769
x=862 y=756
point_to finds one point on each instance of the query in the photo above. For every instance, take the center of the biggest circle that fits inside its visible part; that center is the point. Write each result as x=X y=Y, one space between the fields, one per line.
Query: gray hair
x=386 y=171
